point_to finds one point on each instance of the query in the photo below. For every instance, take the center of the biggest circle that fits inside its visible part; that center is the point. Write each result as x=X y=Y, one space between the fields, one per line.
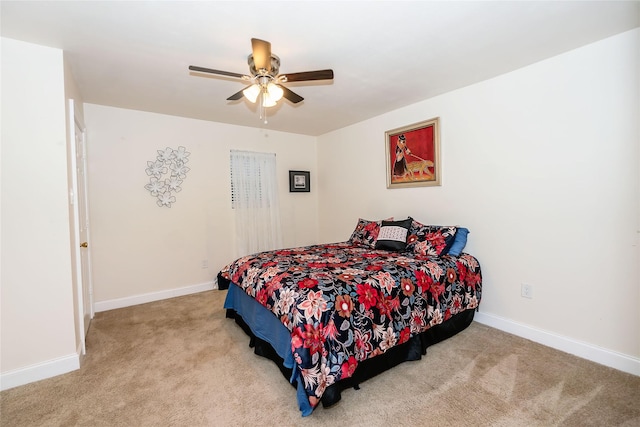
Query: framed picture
x=299 y=182
x=413 y=155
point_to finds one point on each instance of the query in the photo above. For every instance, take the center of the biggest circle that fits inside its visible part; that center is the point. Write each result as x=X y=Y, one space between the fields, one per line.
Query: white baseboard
x=40 y=371
x=153 y=296
x=583 y=350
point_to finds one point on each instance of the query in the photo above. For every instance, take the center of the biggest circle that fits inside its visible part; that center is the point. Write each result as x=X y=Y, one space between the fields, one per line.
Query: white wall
x=139 y=249
x=541 y=164
x=36 y=286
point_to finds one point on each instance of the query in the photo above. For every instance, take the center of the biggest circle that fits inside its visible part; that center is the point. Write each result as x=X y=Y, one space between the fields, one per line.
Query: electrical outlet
x=526 y=291
x=205 y=263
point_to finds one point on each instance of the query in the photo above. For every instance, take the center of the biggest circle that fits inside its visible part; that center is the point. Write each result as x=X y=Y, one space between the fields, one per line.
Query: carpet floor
x=181 y=362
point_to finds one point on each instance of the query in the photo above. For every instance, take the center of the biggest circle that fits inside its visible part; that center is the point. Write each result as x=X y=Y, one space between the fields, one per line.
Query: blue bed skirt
x=267 y=327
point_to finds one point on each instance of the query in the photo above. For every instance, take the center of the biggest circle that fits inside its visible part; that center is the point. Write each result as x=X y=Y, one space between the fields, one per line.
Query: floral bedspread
x=344 y=304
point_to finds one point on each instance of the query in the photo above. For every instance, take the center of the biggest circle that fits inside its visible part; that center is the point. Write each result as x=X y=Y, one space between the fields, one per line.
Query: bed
x=334 y=315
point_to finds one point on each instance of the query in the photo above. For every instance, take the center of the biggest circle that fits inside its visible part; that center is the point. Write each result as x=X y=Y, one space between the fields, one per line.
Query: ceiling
x=385 y=54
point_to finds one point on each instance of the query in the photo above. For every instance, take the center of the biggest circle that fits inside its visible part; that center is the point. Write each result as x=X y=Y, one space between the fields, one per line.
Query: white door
x=81 y=226
x=85 y=255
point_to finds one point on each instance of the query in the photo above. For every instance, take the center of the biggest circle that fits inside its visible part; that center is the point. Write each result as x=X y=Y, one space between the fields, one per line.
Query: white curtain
x=254 y=189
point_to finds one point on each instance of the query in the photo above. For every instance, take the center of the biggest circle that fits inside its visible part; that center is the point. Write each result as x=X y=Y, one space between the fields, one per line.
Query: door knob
x=84 y=245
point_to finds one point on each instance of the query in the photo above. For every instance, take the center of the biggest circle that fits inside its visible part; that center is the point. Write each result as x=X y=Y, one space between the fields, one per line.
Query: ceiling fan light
x=267 y=101
x=275 y=92
x=251 y=93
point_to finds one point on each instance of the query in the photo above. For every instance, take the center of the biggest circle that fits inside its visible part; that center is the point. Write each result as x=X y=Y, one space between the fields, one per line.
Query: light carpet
x=181 y=362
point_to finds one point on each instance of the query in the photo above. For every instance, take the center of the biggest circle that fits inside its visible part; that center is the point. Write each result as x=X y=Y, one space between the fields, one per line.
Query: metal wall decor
x=167 y=173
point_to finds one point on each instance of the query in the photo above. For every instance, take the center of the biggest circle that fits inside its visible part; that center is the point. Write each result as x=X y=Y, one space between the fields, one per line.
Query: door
x=81 y=237
x=85 y=255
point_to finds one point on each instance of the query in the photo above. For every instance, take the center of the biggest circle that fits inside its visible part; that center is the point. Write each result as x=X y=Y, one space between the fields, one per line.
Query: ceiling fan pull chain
x=264 y=109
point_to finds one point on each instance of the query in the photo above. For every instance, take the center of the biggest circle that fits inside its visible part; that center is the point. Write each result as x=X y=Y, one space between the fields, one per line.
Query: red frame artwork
x=413 y=155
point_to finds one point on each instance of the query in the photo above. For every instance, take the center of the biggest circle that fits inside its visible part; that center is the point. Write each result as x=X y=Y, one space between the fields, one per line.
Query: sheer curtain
x=254 y=196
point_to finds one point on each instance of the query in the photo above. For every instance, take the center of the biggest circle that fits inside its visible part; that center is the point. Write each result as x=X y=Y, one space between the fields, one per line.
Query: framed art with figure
x=413 y=155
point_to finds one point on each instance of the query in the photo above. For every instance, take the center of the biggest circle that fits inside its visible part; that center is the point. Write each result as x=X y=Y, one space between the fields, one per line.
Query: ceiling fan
x=266 y=82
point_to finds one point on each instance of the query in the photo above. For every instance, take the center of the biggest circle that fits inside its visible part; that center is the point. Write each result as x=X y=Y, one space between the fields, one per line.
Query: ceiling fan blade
x=310 y=75
x=261 y=54
x=209 y=70
x=236 y=95
x=291 y=95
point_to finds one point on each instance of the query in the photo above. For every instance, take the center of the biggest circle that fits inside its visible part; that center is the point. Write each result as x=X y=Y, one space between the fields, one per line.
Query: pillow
x=393 y=235
x=459 y=241
x=365 y=233
x=430 y=240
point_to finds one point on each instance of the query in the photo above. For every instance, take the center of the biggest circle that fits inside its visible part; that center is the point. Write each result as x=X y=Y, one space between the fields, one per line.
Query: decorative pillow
x=459 y=242
x=393 y=235
x=366 y=233
x=430 y=240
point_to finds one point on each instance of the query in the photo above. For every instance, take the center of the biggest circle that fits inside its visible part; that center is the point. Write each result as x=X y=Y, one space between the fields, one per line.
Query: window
x=248 y=177
x=254 y=198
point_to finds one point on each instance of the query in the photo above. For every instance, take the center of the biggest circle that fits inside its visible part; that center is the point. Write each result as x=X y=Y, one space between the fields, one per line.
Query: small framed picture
x=299 y=182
